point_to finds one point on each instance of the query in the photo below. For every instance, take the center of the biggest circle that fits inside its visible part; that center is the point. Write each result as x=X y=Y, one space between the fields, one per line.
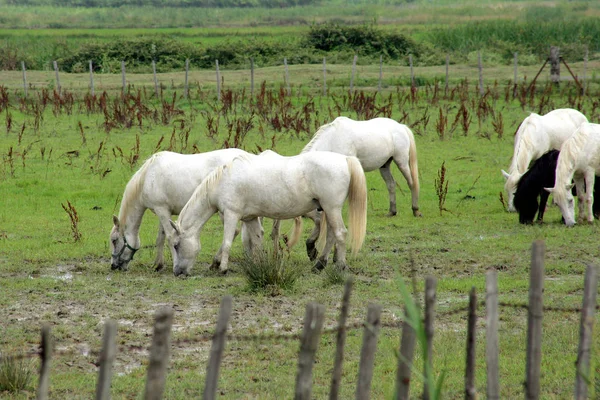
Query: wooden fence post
x=470 y=391
x=218 y=81
x=24 y=79
x=380 y=74
x=585 y=62
x=159 y=354
x=491 y=345
x=286 y=77
x=187 y=71
x=447 y=75
x=480 y=67
x=353 y=73
x=515 y=75
x=251 y=76
x=123 y=81
x=367 y=352
x=407 y=351
x=534 y=328
x=92 y=78
x=430 y=289
x=554 y=64
x=46 y=355
x=309 y=342
x=107 y=357
x=155 y=80
x=412 y=74
x=324 y=77
x=57 y=77
x=336 y=375
x=582 y=365
x=216 y=350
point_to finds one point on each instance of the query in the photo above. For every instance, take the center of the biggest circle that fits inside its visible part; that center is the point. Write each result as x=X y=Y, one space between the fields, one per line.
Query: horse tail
x=357 y=205
x=414 y=171
x=295 y=236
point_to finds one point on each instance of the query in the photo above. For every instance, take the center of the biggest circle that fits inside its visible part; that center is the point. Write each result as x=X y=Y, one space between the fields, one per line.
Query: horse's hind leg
x=414 y=191
x=311 y=249
x=159 y=262
x=387 y=176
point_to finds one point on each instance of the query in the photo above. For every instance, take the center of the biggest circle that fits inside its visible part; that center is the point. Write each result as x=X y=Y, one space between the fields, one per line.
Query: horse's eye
x=176 y=246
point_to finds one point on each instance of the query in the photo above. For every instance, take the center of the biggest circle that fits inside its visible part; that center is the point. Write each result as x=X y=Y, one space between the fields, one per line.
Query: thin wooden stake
x=216 y=350
x=412 y=74
x=309 y=342
x=480 y=67
x=286 y=77
x=324 y=77
x=107 y=357
x=155 y=79
x=585 y=63
x=447 y=75
x=582 y=365
x=46 y=355
x=187 y=71
x=367 y=353
x=380 y=74
x=430 y=295
x=470 y=391
x=159 y=354
x=353 y=73
x=491 y=346
x=407 y=351
x=251 y=76
x=24 y=79
x=123 y=80
x=534 y=328
x=336 y=375
x=57 y=77
x=515 y=75
x=218 y=81
x=92 y=78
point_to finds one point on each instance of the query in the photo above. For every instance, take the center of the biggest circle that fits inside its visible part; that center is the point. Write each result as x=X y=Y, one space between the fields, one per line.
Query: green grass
x=46 y=277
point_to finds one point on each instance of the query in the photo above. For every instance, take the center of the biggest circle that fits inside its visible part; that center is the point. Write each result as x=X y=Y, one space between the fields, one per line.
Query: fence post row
x=311 y=334
x=159 y=354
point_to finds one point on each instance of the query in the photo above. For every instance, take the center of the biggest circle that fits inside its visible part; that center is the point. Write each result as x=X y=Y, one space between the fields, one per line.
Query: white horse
x=579 y=160
x=376 y=143
x=536 y=136
x=163 y=184
x=276 y=187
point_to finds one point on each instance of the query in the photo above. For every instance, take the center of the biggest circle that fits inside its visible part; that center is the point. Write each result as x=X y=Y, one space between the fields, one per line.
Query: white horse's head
x=563 y=198
x=184 y=249
x=510 y=187
x=121 y=251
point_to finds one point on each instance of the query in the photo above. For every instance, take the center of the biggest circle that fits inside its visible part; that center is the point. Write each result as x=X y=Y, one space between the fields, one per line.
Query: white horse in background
x=163 y=184
x=276 y=187
x=579 y=160
x=536 y=136
x=376 y=143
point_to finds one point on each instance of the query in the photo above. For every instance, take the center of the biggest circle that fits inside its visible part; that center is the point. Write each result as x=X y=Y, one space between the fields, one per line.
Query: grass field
x=67 y=153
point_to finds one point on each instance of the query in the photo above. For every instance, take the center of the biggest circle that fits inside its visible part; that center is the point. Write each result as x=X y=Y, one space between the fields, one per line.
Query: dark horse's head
x=531 y=186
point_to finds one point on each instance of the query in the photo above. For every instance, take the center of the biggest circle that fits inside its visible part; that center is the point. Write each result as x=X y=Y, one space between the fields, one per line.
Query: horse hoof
x=223 y=272
x=391 y=214
x=311 y=250
x=159 y=267
x=319 y=266
x=214 y=266
x=417 y=213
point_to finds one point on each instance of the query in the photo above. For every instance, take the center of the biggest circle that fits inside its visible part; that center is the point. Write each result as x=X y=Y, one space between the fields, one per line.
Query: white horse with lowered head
x=579 y=160
x=163 y=184
x=535 y=136
x=376 y=143
x=276 y=187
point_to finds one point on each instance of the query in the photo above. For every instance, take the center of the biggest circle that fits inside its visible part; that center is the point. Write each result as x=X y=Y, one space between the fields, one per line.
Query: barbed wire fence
x=310 y=336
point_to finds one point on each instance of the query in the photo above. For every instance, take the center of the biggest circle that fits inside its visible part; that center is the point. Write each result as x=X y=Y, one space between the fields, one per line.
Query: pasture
x=66 y=160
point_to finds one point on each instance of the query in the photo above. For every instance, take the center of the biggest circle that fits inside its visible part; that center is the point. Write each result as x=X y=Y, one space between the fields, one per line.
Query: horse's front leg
x=580 y=186
x=390 y=183
x=230 y=221
x=164 y=226
x=589 y=195
x=311 y=249
x=544 y=194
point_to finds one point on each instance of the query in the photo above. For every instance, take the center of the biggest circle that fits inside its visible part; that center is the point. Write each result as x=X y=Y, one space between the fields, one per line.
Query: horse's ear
x=175 y=227
x=549 y=190
x=505 y=174
x=116 y=221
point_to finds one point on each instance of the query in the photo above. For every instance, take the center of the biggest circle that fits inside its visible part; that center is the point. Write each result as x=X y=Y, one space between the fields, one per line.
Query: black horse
x=531 y=186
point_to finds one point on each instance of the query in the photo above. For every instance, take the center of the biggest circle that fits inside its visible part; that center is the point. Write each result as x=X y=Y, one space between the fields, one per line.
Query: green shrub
x=15 y=375
x=270 y=271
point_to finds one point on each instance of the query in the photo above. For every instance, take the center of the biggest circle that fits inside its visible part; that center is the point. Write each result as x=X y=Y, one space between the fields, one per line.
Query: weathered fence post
x=353 y=73
x=336 y=375
x=187 y=71
x=309 y=342
x=515 y=75
x=57 y=78
x=447 y=75
x=430 y=289
x=46 y=355
x=107 y=357
x=24 y=79
x=412 y=75
x=155 y=80
x=582 y=364
x=216 y=350
x=534 y=323
x=251 y=76
x=286 y=77
x=218 y=81
x=380 y=74
x=324 y=77
x=92 y=79
x=159 y=354
x=491 y=345
x=470 y=391
x=407 y=352
x=585 y=62
x=123 y=80
x=367 y=352
x=480 y=67
x=554 y=64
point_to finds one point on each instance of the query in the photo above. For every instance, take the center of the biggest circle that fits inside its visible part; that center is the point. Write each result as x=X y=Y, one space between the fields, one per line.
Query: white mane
x=524 y=148
x=133 y=188
x=316 y=137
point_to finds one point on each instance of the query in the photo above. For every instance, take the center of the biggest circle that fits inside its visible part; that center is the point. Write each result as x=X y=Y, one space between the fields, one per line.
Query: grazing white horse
x=276 y=187
x=536 y=136
x=163 y=184
x=579 y=160
x=376 y=143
